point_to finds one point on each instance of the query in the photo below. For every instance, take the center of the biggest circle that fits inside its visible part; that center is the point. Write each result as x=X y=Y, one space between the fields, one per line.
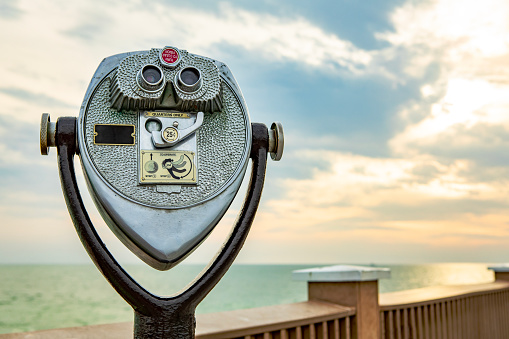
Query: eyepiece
x=151 y=74
x=189 y=79
x=190 y=76
x=150 y=78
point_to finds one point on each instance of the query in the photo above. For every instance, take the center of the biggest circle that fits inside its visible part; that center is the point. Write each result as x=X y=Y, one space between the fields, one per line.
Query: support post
x=353 y=286
x=501 y=272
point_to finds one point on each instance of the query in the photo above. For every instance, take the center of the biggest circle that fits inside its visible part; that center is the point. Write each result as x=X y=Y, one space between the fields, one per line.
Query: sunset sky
x=396 y=118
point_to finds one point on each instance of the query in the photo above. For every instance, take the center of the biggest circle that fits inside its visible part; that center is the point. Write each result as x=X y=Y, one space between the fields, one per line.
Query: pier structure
x=344 y=303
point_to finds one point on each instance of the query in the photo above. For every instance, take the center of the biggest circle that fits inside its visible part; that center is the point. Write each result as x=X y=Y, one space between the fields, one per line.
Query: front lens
x=151 y=74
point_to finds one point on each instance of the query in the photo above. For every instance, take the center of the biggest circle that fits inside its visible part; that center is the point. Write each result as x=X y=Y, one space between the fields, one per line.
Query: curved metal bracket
x=155 y=316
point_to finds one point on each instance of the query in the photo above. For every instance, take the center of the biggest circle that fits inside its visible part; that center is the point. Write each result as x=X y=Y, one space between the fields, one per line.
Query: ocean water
x=45 y=296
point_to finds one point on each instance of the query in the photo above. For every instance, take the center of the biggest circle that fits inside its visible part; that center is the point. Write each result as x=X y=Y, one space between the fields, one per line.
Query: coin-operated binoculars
x=164 y=139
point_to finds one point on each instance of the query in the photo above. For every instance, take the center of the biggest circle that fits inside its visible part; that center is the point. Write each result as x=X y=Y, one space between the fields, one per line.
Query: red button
x=170 y=55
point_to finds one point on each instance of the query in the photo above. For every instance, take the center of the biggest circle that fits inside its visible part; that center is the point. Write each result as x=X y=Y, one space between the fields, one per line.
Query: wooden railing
x=292 y=321
x=463 y=312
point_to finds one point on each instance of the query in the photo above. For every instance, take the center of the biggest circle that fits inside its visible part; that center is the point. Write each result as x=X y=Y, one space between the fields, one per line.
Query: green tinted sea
x=36 y=297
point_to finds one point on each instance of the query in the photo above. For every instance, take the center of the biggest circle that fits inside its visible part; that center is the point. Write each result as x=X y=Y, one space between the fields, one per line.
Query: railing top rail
x=265 y=319
x=421 y=296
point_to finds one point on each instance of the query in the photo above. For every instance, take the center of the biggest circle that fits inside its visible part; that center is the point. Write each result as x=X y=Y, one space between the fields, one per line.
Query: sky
x=396 y=119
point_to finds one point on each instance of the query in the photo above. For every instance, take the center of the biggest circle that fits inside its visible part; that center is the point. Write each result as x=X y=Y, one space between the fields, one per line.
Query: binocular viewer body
x=164 y=138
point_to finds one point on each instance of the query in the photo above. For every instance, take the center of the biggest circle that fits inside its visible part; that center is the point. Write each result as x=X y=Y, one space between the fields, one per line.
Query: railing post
x=353 y=286
x=501 y=272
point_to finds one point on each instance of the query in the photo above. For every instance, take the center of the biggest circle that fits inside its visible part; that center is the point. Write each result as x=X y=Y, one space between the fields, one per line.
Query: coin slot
x=153 y=125
x=170 y=134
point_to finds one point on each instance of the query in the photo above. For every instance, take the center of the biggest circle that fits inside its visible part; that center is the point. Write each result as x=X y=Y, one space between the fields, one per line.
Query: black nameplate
x=113 y=134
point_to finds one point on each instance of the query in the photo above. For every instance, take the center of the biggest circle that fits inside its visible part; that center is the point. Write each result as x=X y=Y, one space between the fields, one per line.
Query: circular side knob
x=47 y=135
x=276 y=141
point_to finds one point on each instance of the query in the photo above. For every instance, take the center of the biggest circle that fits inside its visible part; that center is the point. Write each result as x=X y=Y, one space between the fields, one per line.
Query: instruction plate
x=167 y=167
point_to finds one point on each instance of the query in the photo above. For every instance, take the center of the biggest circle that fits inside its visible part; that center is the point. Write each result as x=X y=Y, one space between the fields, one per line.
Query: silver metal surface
x=221 y=147
x=163 y=223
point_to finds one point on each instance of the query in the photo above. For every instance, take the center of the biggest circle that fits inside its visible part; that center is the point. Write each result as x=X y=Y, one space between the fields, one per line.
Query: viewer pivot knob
x=276 y=141
x=48 y=130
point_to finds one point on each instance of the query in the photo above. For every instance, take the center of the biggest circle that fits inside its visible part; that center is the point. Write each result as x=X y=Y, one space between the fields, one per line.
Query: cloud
x=452 y=27
x=42 y=100
x=266 y=36
x=19 y=149
x=378 y=200
x=9 y=10
x=443 y=181
x=463 y=38
x=85 y=31
x=467 y=115
x=58 y=61
x=353 y=185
